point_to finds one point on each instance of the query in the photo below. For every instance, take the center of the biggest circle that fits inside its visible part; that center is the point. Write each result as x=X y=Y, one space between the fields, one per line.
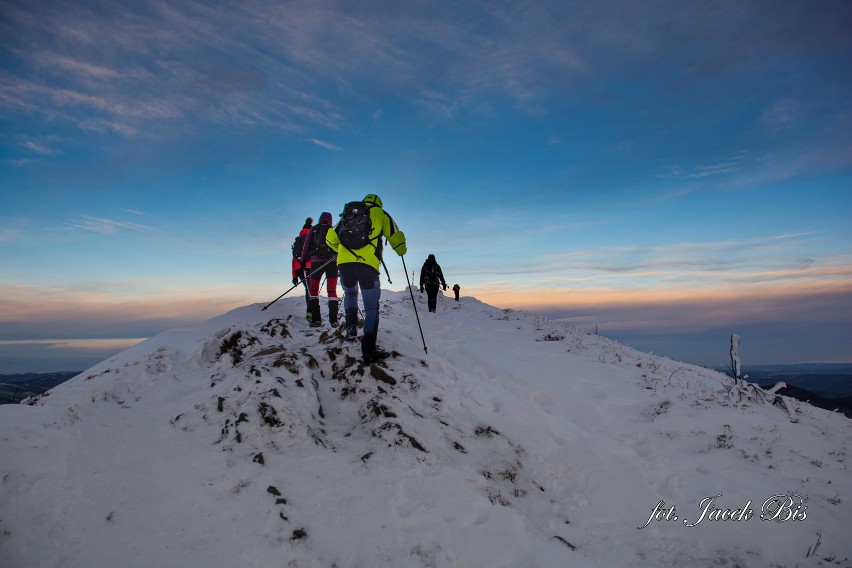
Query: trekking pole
x=326 y=263
x=307 y=286
x=386 y=271
x=382 y=260
x=413 y=303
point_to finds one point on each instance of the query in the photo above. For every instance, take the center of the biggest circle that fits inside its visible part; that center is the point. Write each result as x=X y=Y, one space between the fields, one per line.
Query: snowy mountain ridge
x=254 y=440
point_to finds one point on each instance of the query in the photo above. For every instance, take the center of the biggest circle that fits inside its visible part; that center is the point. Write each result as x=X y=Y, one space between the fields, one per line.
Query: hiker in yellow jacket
x=357 y=238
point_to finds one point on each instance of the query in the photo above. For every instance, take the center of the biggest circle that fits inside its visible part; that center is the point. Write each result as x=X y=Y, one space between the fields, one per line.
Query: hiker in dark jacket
x=317 y=252
x=431 y=278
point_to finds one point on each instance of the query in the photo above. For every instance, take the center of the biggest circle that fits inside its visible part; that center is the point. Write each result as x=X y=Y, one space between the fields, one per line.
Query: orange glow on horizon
x=85 y=345
x=565 y=298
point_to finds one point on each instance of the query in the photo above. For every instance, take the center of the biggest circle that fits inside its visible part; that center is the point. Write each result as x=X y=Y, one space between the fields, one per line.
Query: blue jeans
x=352 y=276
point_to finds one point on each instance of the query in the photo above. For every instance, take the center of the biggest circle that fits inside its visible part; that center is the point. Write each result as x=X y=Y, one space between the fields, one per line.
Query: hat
x=372 y=199
x=431 y=257
x=308 y=222
x=325 y=218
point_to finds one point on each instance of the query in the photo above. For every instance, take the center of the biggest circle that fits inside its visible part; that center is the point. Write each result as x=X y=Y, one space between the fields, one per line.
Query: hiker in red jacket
x=299 y=274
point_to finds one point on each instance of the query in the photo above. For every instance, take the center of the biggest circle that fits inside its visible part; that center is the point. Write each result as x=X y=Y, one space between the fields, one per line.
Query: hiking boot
x=332 y=311
x=316 y=316
x=377 y=355
x=352 y=324
x=370 y=352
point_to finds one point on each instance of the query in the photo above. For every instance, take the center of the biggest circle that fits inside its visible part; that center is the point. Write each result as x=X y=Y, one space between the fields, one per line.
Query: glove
x=397 y=241
x=421 y=289
x=295 y=281
x=445 y=287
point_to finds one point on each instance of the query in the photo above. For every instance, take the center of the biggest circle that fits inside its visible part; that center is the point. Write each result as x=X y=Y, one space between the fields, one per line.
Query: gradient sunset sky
x=669 y=172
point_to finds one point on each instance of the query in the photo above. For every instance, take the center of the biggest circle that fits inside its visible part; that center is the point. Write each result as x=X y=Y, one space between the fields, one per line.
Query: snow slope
x=253 y=440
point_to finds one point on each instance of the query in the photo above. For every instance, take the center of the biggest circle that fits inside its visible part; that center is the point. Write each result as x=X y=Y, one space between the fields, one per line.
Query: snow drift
x=254 y=440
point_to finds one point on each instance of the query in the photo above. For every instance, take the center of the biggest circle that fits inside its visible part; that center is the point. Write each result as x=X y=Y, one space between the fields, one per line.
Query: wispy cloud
x=160 y=62
x=685 y=309
x=8 y=234
x=37 y=148
x=324 y=144
x=19 y=163
x=715 y=169
x=781 y=114
x=273 y=64
x=75 y=66
x=137 y=213
x=13 y=229
x=776 y=258
x=249 y=64
x=107 y=226
x=132 y=308
x=125 y=113
x=730 y=165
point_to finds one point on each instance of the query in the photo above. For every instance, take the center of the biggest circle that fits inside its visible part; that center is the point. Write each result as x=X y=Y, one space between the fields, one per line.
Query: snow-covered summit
x=254 y=440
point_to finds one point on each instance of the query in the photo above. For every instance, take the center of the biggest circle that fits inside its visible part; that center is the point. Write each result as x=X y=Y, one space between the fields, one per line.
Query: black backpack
x=431 y=273
x=297 y=247
x=355 y=226
x=319 y=247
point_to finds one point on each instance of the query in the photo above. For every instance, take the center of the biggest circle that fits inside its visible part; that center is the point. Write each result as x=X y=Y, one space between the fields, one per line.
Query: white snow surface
x=514 y=442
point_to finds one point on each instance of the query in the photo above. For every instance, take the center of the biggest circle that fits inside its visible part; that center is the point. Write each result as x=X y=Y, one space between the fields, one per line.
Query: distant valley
x=17 y=387
x=824 y=385
x=826 y=380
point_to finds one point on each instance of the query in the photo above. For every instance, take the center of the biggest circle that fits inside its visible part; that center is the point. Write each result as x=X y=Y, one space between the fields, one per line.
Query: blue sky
x=669 y=172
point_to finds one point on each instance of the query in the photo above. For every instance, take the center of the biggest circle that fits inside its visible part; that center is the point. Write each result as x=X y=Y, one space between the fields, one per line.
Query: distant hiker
x=317 y=253
x=357 y=238
x=456 y=289
x=299 y=273
x=431 y=278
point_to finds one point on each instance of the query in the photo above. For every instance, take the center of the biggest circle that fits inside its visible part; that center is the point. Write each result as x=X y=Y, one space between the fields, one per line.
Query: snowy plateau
x=253 y=440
